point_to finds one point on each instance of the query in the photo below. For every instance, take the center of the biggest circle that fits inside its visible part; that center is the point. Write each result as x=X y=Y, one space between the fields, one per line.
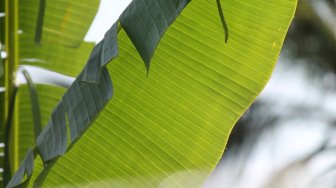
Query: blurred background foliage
x=288 y=136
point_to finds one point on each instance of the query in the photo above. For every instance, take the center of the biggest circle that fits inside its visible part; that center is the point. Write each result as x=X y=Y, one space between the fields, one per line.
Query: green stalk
x=2 y=84
x=11 y=64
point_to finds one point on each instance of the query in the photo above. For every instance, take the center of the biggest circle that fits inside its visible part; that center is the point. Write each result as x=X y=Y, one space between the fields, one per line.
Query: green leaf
x=65 y=22
x=145 y=22
x=53 y=139
x=102 y=53
x=110 y=45
x=91 y=73
x=83 y=102
x=170 y=129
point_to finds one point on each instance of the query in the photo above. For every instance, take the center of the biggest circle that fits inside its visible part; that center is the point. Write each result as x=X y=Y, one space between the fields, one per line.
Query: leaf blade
x=168 y=128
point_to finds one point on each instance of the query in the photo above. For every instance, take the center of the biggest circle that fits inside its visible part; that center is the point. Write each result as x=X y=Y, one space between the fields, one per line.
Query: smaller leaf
x=102 y=53
x=91 y=73
x=52 y=142
x=110 y=45
x=83 y=101
x=26 y=167
x=145 y=22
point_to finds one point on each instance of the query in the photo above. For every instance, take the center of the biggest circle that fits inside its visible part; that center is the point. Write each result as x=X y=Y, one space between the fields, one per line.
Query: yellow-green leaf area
x=169 y=129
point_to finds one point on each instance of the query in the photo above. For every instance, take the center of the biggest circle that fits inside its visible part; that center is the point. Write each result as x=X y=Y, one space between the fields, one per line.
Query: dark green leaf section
x=103 y=52
x=145 y=22
x=26 y=168
x=64 y=22
x=92 y=70
x=52 y=142
x=110 y=45
x=83 y=101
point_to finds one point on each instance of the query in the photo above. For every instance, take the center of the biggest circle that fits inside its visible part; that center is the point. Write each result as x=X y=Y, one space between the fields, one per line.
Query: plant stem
x=221 y=14
x=7 y=168
x=11 y=64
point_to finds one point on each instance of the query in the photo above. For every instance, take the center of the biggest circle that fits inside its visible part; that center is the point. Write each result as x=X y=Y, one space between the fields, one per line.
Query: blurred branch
x=321 y=13
x=287 y=175
x=327 y=15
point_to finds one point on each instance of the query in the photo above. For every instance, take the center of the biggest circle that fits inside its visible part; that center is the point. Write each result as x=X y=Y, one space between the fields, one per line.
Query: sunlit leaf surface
x=169 y=128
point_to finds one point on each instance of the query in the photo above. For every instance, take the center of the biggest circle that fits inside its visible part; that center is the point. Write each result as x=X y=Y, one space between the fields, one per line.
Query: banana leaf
x=169 y=128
